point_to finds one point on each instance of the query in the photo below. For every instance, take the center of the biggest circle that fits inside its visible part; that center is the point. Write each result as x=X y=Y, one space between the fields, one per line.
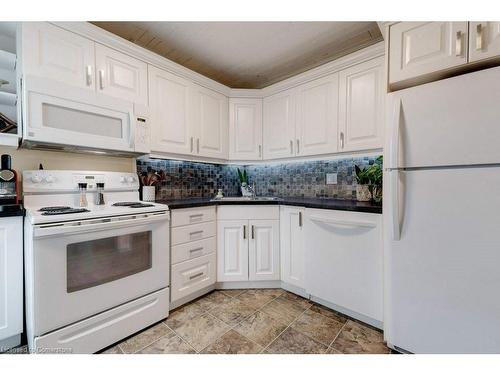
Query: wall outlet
x=331 y=178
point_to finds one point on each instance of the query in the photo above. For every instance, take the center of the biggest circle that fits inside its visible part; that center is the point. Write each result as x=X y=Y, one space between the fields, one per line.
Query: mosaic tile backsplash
x=186 y=179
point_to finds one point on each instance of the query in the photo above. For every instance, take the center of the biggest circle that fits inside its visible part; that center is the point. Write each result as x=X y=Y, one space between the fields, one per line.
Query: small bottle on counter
x=82 y=187
x=99 y=198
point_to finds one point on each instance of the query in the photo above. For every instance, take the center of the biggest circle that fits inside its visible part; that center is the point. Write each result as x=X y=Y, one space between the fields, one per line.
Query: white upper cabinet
x=120 y=75
x=264 y=250
x=170 y=113
x=279 y=125
x=232 y=250
x=292 y=246
x=245 y=129
x=419 y=48
x=210 y=123
x=317 y=117
x=57 y=54
x=361 y=102
x=484 y=40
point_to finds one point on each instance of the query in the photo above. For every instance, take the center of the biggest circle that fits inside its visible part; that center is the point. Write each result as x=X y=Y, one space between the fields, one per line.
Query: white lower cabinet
x=232 y=250
x=11 y=285
x=248 y=243
x=192 y=253
x=292 y=246
x=263 y=254
x=192 y=275
x=344 y=264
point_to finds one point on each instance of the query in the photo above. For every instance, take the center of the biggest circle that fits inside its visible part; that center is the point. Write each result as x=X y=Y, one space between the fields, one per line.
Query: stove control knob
x=130 y=179
x=36 y=179
x=50 y=179
x=123 y=179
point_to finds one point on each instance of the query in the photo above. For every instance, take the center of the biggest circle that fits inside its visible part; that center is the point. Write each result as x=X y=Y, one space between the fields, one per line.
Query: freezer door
x=455 y=121
x=442 y=276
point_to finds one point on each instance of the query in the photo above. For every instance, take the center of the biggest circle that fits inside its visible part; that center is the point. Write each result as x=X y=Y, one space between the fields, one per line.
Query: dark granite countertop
x=7 y=210
x=324 y=203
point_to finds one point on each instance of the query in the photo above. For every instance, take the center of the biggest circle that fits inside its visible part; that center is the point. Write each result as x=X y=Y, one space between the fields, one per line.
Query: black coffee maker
x=9 y=184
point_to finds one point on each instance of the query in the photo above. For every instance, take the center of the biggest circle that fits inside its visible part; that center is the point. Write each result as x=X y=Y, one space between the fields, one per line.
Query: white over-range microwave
x=61 y=117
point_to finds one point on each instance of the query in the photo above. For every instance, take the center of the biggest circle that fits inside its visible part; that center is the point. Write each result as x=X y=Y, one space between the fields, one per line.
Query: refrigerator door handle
x=394 y=185
x=394 y=143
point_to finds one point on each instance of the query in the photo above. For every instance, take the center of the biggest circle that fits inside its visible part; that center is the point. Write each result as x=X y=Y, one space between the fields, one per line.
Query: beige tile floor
x=254 y=321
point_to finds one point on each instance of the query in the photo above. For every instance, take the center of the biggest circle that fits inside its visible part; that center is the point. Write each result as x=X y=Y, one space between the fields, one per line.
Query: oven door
x=85 y=267
x=62 y=115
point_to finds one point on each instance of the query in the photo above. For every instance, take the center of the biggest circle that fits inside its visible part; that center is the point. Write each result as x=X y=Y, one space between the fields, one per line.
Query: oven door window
x=96 y=262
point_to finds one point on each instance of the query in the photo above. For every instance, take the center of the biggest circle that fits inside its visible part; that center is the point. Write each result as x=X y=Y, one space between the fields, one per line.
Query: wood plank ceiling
x=248 y=54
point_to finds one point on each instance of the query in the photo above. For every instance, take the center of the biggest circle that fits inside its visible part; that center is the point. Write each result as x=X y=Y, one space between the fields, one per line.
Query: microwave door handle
x=48 y=230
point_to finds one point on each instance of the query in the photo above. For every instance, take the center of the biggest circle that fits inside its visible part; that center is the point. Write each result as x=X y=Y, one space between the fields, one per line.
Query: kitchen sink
x=244 y=199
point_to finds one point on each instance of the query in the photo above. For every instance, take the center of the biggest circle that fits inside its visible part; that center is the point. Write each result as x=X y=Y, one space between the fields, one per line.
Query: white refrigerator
x=442 y=216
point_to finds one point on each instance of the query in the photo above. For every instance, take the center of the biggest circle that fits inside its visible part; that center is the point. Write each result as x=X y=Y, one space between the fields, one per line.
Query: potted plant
x=245 y=189
x=375 y=172
x=363 y=182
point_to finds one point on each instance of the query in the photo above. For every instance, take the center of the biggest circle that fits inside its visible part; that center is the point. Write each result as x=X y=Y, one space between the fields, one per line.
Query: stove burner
x=65 y=210
x=54 y=208
x=133 y=204
x=124 y=204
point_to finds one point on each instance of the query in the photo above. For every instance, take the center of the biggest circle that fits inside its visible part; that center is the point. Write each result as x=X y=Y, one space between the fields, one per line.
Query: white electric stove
x=95 y=272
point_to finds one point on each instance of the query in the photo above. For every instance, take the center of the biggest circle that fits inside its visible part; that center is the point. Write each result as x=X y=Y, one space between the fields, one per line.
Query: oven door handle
x=94 y=225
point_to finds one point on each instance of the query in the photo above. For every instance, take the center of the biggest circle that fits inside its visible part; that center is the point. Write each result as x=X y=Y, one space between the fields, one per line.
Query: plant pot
x=148 y=193
x=363 y=193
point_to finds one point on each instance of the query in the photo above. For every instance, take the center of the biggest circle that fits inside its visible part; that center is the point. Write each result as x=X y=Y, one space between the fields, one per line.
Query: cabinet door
x=361 y=101
x=279 y=125
x=418 y=48
x=54 y=53
x=263 y=252
x=169 y=110
x=484 y=40
x=245 y=129
x=345 y=260
x=210 y=110
x=292 y=246
x=317 y=117
x=120 y=75
x=232 y=250
x=11 y=274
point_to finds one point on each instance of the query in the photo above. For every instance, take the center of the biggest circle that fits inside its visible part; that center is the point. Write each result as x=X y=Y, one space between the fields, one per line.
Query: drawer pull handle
x=195 y=215
x=197 y=233
x=195 y=276
x=197 y=249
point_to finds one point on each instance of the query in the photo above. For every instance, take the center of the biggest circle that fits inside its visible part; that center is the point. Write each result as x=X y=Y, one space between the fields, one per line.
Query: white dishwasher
x=344 y=262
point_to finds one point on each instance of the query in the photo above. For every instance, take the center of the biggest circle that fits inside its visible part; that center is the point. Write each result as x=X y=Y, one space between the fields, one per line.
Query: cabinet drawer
x=192 y=250
x=192 y=275
x=248 y=212
x=193 y=232
x=195 y=215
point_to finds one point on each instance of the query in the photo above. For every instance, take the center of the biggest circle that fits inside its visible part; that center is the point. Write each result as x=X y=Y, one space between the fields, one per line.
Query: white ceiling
x=248 y=54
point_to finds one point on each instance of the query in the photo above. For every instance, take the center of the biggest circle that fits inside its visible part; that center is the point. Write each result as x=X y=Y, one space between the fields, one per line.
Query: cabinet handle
x=291 y=147
x=192 y=140
x=479 y=37
x=298 y=147
x=196 y=233
x=300 y=219
x=195 y=276
x=101 y=79
x=253 y=232
x=198 y=145
x=342 y=140
x=244 y=232
x=197 y=249
x=88 y=74
x=458 y=44
x=260 y=151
